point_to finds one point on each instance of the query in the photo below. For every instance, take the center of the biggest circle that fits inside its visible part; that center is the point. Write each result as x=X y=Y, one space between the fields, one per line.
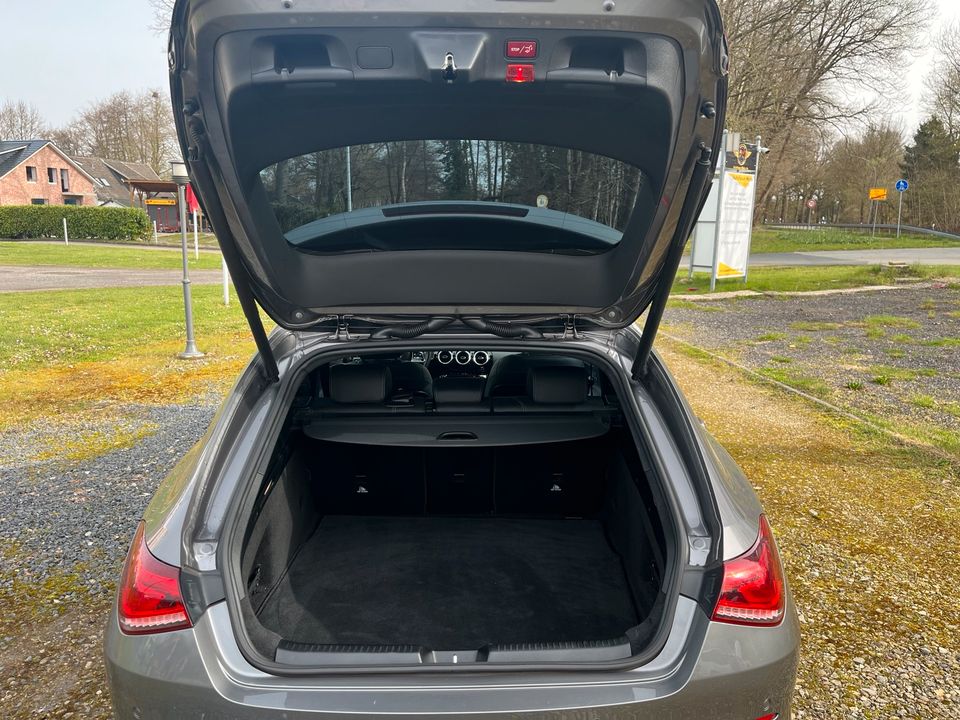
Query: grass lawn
x=103 y=256
x=75 y=351
x=803 y=279
x=769 y=240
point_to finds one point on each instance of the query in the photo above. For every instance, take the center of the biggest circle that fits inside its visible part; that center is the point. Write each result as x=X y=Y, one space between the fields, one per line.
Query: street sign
x=879 y=194
x=902 y=186
x=811 y=204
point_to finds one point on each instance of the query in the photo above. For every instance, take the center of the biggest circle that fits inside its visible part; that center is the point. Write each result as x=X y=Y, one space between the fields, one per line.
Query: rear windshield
x=452 y=194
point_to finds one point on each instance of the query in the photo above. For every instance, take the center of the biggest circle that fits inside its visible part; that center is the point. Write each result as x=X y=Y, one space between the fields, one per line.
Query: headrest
x=359 y=383
x=458 y=390
x=556 y=384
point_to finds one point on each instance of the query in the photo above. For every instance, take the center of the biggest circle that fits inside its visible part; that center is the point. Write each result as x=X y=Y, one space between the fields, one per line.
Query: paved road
x=19 y=278
x=921 y=256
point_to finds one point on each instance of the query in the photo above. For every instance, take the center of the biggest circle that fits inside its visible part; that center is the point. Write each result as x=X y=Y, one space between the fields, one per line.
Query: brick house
x=37 y=172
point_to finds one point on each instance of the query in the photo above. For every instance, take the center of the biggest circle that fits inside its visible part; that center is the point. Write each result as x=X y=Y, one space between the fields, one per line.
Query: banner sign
x=878 y=194
x=161 y=201
x=739 y=179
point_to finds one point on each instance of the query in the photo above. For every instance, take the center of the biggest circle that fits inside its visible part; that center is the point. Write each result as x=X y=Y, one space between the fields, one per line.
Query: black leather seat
x=410 y=378
x=460 y=394
x=508 y=376
x=366 y=389
x=552 y=389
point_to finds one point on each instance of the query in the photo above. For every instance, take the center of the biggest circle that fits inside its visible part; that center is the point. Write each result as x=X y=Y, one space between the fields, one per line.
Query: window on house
x=31 y=173
x=104 y=182
x=64 y=180
x=71 y=201
x=51 y=175
x=38 y=201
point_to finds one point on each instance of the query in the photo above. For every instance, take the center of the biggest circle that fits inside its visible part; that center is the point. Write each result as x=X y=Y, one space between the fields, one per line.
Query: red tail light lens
x=150 y=599
x=752 y=591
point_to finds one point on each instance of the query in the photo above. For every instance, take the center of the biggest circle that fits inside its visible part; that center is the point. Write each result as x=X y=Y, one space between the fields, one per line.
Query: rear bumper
x=739 y=674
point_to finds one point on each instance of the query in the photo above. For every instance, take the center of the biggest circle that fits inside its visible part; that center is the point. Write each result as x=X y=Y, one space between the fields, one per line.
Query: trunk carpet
x=452 y=583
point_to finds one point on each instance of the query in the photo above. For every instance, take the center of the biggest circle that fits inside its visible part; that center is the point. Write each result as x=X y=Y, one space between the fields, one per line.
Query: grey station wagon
x=455 y=479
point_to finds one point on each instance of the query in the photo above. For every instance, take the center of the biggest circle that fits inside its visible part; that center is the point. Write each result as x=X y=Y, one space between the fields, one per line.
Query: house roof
x=15 y=152
x=113 y=177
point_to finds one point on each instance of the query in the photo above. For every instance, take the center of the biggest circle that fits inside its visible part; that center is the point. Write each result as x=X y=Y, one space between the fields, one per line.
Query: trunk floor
x=452 y=583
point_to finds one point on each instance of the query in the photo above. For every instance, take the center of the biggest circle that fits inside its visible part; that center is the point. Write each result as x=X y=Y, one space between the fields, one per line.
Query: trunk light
x=752 y=592
x=517 y=73
x=149 y=600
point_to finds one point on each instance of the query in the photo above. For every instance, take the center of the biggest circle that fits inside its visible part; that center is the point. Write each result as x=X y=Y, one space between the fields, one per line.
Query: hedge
x=83 y=221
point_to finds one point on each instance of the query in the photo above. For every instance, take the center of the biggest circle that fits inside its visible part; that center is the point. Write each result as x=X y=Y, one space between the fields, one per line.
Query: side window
x=31 y=173
x=51 y=175
x=65 y=180
x=38 y=201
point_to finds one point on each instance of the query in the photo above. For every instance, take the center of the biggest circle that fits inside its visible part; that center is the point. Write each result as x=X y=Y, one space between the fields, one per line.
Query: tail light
x=149 y=599
x=752 y=592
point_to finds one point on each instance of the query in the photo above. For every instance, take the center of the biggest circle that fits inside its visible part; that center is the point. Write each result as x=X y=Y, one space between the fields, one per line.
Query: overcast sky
x=89 y=49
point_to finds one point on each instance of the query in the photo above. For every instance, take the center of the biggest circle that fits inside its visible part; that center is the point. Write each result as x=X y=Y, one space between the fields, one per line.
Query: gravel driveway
x=64 y=529
x=892 y=356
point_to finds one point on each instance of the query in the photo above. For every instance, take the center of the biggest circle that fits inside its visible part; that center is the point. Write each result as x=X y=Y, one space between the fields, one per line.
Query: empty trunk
x=471 y=549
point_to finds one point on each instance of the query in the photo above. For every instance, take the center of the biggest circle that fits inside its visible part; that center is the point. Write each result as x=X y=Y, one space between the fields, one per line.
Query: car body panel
x=235 y=117
x=734 y=673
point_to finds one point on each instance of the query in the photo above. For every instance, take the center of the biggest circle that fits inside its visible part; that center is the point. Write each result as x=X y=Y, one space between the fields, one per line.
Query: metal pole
x=349 y=183
x=156 y=240
x=196 y=237
x=876 y=208
x=66 y=238
x=226 y=280
x=756 y=180
x=899 y=215
x=190 y=350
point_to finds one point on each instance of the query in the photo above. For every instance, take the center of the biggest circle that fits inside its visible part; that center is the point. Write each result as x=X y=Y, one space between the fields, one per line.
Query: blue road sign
x=902 y=186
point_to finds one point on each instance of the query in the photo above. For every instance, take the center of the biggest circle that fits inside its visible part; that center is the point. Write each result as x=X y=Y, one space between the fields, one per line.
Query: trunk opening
x=447 y=542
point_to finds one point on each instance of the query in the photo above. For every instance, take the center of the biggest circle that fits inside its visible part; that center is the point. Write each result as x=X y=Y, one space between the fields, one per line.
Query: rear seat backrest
x=551 y=388
x=359 y=384
x=460 y=394
x=560 y=384
x=509 y=374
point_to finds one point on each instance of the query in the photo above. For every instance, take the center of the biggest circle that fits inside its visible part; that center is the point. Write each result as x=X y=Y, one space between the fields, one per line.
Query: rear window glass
x=452 y=194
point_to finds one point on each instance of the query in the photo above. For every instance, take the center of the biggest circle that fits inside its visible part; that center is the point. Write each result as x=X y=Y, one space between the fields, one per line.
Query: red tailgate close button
x=521 y=49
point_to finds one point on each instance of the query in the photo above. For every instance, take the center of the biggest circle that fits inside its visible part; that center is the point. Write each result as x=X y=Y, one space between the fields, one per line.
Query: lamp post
x=178 y=172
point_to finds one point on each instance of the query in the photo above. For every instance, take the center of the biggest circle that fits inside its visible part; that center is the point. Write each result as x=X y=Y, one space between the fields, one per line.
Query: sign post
x=877 y=196
x=902 y=187
x=721 y=238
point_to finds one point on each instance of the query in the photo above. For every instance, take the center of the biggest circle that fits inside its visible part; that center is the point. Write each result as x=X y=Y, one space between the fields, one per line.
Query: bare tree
x=162 y=10
x=21 y=121
x=943 y=84
x=801 y=67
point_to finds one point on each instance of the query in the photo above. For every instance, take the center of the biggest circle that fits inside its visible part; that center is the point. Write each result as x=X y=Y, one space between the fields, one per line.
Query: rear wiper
x=412 y=330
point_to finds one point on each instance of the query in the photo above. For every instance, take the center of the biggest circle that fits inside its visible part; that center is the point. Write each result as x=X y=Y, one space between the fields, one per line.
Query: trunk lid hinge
x=343 y=329
x=570 y=327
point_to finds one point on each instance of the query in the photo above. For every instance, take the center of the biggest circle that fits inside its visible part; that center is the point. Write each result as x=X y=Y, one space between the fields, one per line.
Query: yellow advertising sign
x=161 y=201
x=878 y=194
